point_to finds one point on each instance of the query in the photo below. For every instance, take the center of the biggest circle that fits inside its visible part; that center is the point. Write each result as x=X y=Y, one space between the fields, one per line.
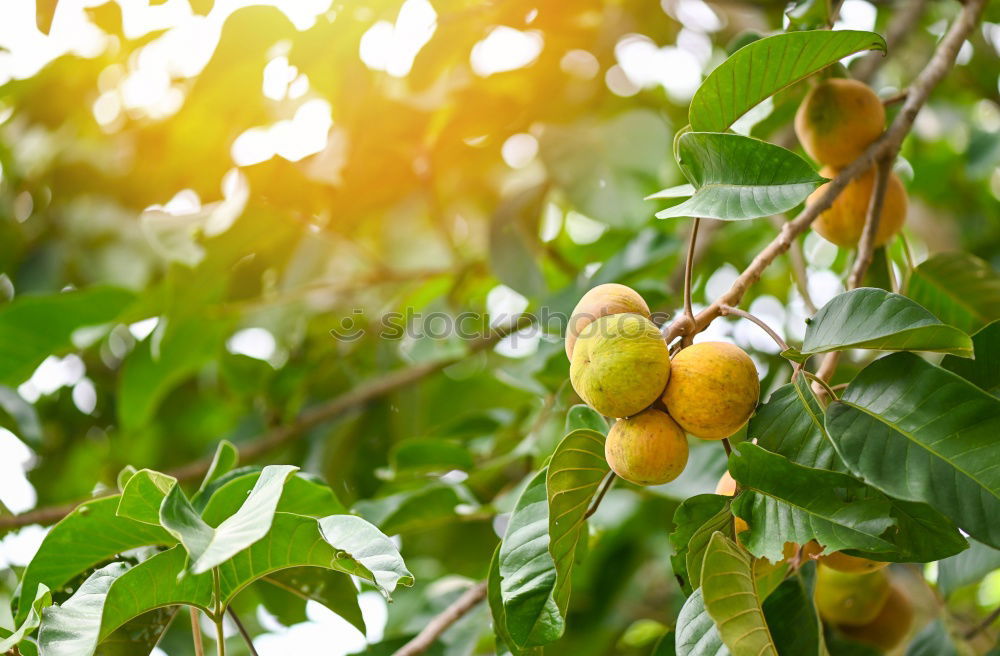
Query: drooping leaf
x=921 y=433
x=767 y=66
x=34 y=327
x=984 y=370
x=73 y=627
x=89 y=535
x=691 y=515
x=367 y=545
x=738 y=178
x=876 y=319
x=328 y=587
x=921 y=533
x=792 y=618
x=960 y=289
x=790 y=424
x=142 y=495
x=697 y=634
x=732 y=600
x=583 y=416
x=968 y=567
x=207 y=546
x=786 y=502
x=43 y=599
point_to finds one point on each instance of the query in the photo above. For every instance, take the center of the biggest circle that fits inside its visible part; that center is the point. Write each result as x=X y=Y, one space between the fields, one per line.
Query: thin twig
x=727 y=310
x=828 y=367
x=243 y=631
x=886 y=146
x=199 y=645
x=895 y=98
x=426 y=638
x=801 y=277
x=727 y=446
x=866 y=245
x=822 y=383
x=609 y=480
x=688 y=269
x=982 y=626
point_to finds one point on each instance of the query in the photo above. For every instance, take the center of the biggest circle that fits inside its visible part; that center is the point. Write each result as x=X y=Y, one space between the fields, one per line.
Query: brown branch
x=282 y=435
x=243 y=631
x=982 y=626
x=886 y=146
x=425 y=639
x=866 y=245
x=199 y=645
x=903 y=23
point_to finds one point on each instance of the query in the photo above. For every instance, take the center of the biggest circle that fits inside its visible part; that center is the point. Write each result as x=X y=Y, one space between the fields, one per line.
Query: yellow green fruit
x=890 y=626
x=850 y=599
x=601 y=301
x=713 y=389
x=844 y=221
x=727 y=488
x=620 y=364
x=850 y=564
x=838 y=119
x=647 y=449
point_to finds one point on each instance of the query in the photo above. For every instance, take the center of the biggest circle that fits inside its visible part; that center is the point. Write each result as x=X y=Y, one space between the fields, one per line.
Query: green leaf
x=575 y=473
x=960 y=289
x=43 y=599
x=583 y=416
x=967 y=567
x=72 y=628
x=691 y=515
x=20 y=417
x=368 y=546
x=933 y=640
x=143 y=494
x=876 y=319
x=790 y=424
x=495 y=600
x=666 y=646
x=207 y=546
x=984 y=370
x=767 y=66
x=921 y=433
x=791 y=616
x=35 y=327
x=418 y=508
x=678 y=191
x=138 y=636
x=224 y=461
x=721 y=522
x=425 y=455
x=328 y=587
x=731 y=598
x=697 y=634
x=303 y=494
x=89 y=535
x=738 y=178
x=921 y=534
x=807 y=504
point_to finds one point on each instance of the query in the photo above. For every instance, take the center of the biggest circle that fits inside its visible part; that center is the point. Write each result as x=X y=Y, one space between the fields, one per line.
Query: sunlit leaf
x=767 y=66
x=143 y=494
x=43 y=599
x=876 y=319
x=697 y=634
x=583 y=416
x=738 y=178
x=921 y=433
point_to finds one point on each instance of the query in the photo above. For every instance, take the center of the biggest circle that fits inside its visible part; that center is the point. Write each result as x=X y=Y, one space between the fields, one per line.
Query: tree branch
x=282 y=435
x=886 y=146
x=866 y=245
x=423 y=640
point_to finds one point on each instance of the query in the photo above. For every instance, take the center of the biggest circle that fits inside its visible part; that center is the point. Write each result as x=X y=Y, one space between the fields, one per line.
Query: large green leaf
x=702 y=512
x=694 y=558
x=224 y=460
x=984 y=370
x=70 y=629
x=495 y=600
x=790 y=424
x=89 y=535
x=731 y=598
x=207 y=546
x=583 y=416
x=34 y=327
x=43 y=599
x=738 y=178
x=368 y=546
x=791 y=616
x=303 y=494
x=142 y=495
x=960 y=289
x=767 y=66
x=140 y=635
x=968 y=567
x=697 y=634
x=785 y=502
x=328 y=587
x=876 y=319
x=921 y=433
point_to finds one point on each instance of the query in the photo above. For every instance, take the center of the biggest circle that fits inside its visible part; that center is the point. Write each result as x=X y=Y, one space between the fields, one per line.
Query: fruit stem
x=688 y=267
x=726 y=310
x=822 y=383
x=609 y=480
x=729 y=450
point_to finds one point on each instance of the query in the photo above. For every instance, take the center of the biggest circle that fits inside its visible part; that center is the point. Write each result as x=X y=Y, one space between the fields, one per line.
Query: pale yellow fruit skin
x=609 y=298
x=647 y=449
x=850 y=599
x=889 y=627
x=620 y=365
x=850 y=564
x=713 y=389
x=844 y=221
x=727 y=488
x=838 y=119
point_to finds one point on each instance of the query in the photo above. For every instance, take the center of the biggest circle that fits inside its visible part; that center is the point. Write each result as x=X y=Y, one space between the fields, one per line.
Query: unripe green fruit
x=647 y=449
x=601 y=301
x=620 y=364
x=713 y=389
x=889 y=627
x=850 y=599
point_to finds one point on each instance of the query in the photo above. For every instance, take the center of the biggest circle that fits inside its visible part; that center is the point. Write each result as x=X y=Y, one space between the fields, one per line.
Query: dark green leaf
x=767 y=66
x=960 y=289
x=967 y=567
x=921 y=433
x=876 y=319
x=304 y=494
x=417 y=509
x=792 y=618
x=694 y=560
x=738 y=178
x=984 y=370
x=430 y=455
x=692 y=514
x=143 y=494
x=327 y=587
x=697 y=634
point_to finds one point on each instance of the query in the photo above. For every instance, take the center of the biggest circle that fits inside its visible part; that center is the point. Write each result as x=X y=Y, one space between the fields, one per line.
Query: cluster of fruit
x=621 y=367
x=836 y=121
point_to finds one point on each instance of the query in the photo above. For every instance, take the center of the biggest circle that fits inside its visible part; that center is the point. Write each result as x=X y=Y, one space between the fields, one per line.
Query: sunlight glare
x=303 y=135
x=393 y=47
x=505 y=49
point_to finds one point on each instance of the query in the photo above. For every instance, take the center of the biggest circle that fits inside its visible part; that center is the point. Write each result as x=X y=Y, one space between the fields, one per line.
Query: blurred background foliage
x=228 y=184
